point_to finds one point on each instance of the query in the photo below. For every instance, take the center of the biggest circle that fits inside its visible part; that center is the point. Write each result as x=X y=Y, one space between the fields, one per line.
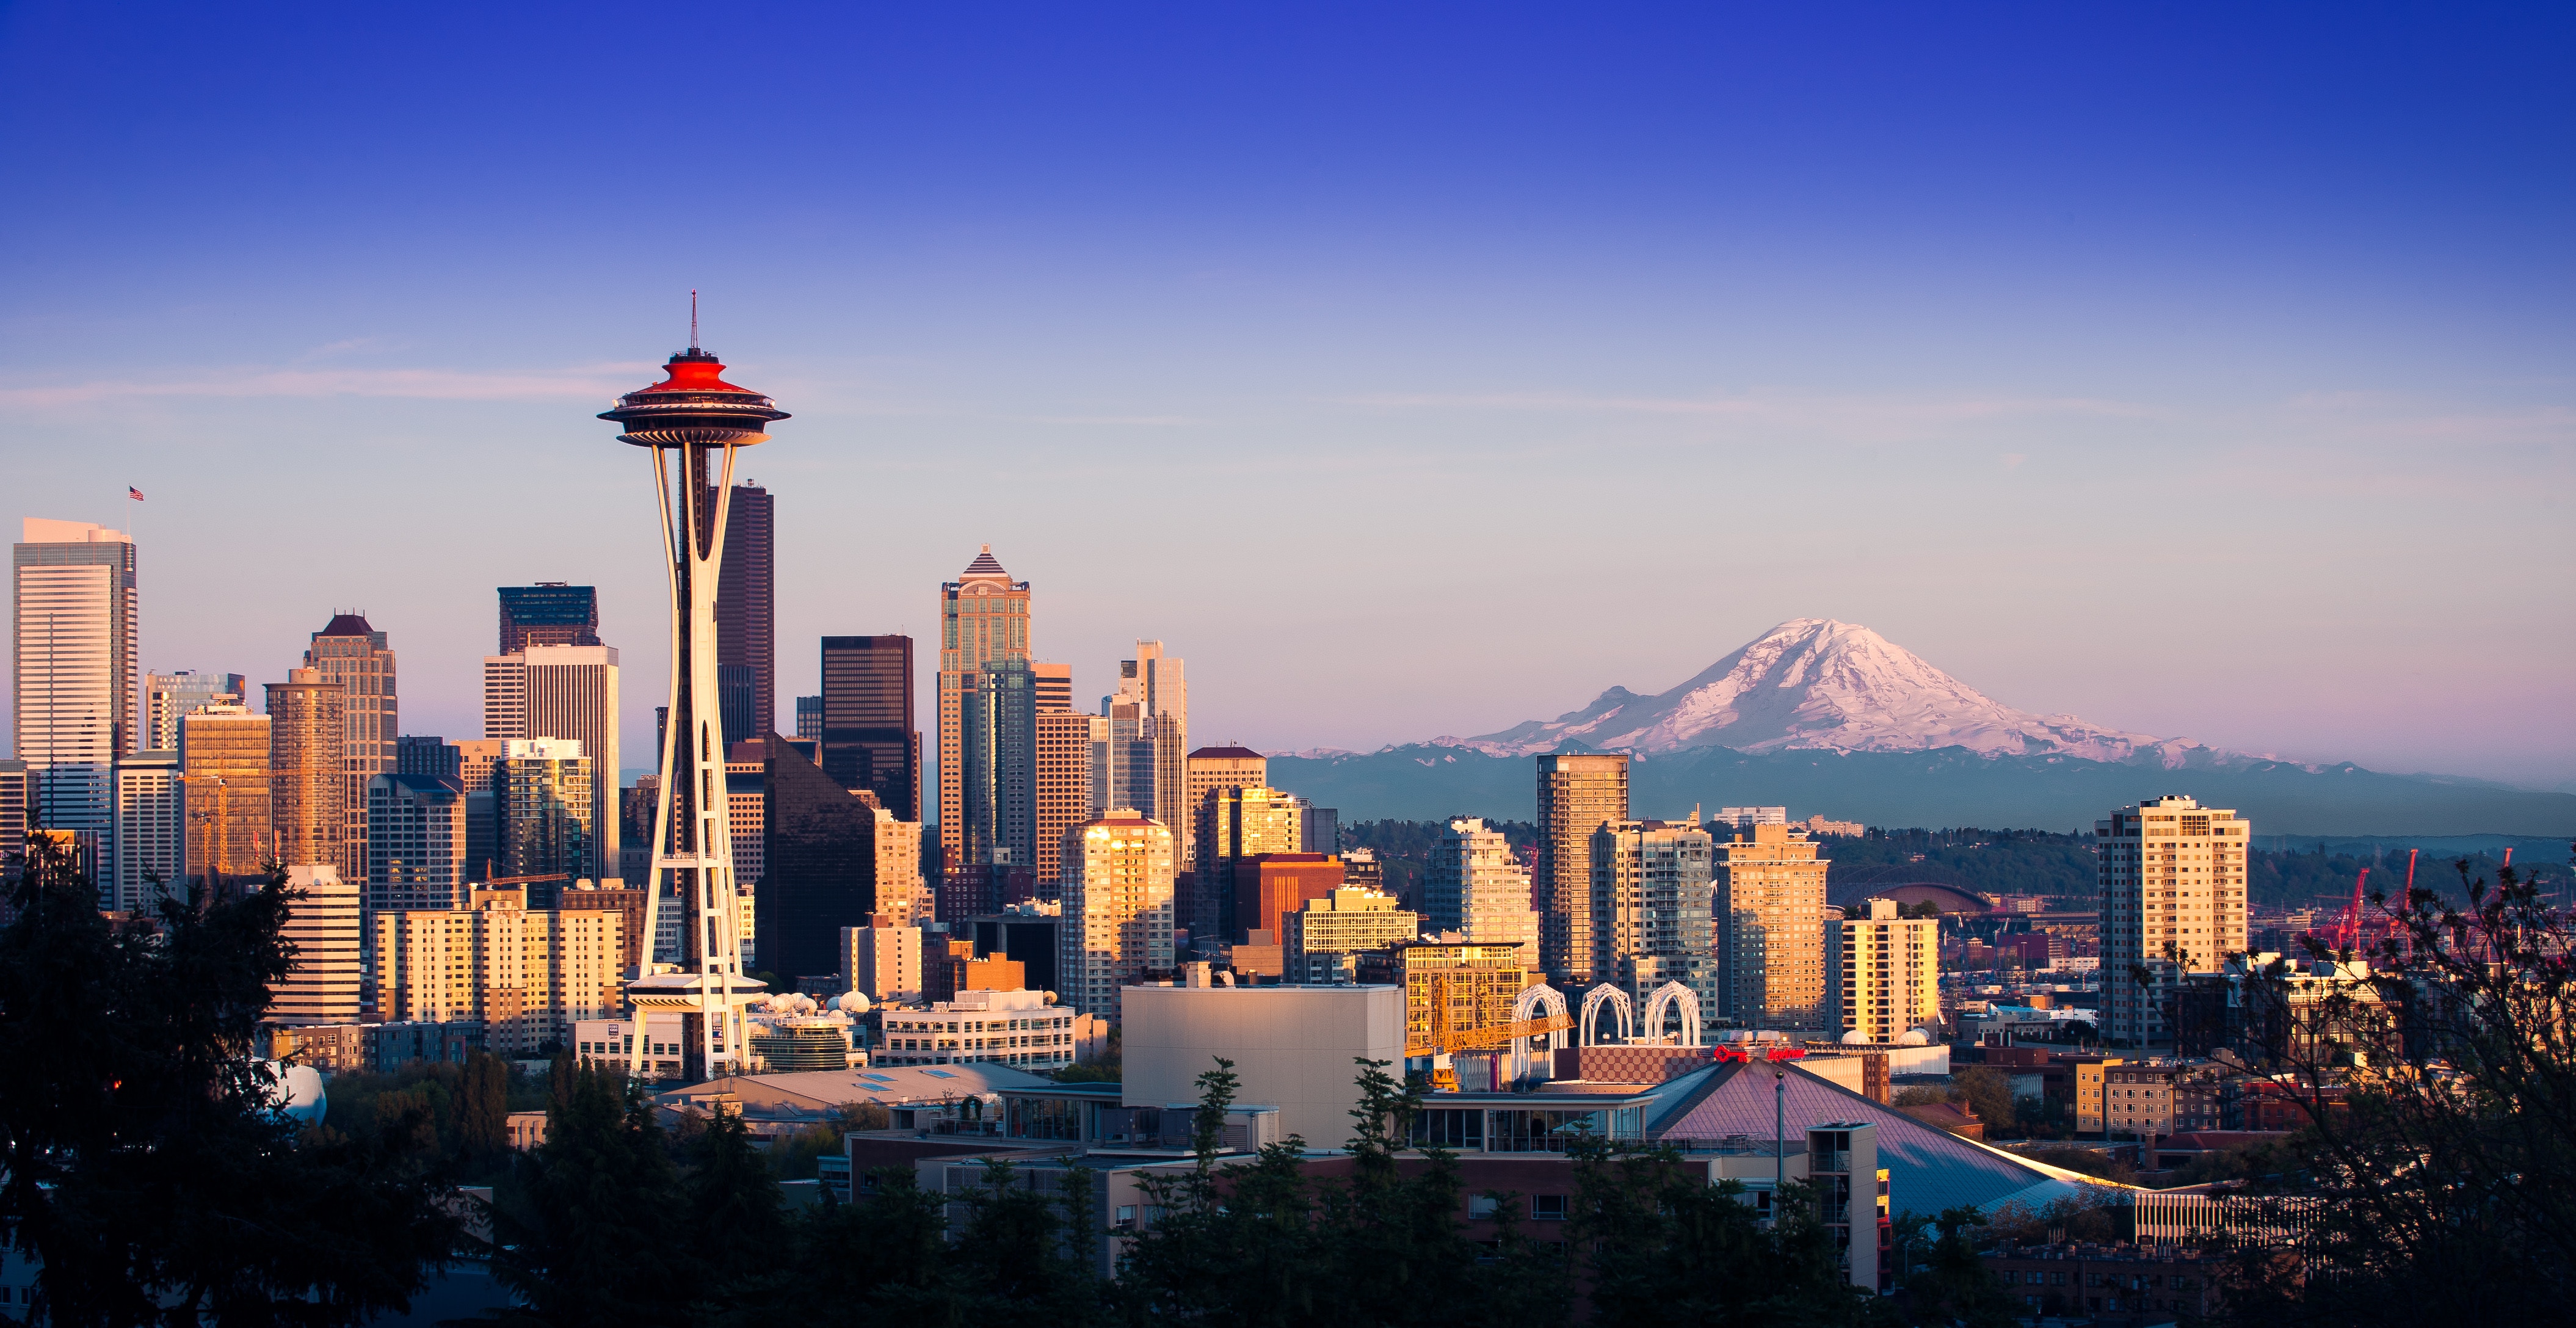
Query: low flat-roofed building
x=1293 y=1047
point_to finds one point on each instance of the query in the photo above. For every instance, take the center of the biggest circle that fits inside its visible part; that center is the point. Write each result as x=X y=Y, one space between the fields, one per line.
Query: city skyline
x=2319 y=322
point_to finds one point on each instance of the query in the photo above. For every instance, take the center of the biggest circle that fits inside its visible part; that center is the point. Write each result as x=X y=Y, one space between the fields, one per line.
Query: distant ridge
x=1830 y=717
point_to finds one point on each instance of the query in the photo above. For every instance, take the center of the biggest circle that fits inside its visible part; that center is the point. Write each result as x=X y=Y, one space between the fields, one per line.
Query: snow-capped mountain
x=1817 y=683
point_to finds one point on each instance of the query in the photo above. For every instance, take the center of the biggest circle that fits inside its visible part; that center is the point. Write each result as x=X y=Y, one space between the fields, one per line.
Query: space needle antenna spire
x=691 y=424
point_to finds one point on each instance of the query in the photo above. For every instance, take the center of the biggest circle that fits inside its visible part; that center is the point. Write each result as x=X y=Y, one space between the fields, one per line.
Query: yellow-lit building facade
x=527 y=974
x=1771 y=913
x=1882 y=973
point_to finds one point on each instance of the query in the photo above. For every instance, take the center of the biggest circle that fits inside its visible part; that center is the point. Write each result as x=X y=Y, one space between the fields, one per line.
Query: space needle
x=691 y=424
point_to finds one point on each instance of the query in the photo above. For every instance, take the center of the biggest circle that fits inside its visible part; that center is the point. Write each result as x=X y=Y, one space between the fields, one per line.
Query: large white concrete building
x=151 y=839
x=2173 y=902
x=322 y=985
x=1294 y=1048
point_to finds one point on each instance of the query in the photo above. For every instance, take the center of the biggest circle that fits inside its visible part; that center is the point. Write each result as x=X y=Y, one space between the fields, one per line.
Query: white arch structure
x=1659 y=1005
x=1533 y=998
x=1593 y=1000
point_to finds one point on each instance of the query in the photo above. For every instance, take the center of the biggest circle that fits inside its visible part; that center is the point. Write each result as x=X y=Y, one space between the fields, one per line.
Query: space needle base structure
x=691 y=424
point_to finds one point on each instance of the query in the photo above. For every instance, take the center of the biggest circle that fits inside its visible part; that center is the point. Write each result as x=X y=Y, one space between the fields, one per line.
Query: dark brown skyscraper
x=747 y=610
x=548 y=613
x=869 y=741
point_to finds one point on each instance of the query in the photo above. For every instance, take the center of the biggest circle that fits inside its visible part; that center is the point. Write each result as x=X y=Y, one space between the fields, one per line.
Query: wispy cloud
x=1768 y=407
x=580 y=381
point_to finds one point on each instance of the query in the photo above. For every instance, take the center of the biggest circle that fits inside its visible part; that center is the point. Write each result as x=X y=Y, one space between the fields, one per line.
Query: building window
x=1547 y=1207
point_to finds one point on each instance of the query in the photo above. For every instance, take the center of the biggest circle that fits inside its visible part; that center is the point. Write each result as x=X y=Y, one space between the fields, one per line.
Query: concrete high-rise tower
x=692 y=423
x=983 y=619
x=354 y=655
x=1577 y=794
x=78 y=683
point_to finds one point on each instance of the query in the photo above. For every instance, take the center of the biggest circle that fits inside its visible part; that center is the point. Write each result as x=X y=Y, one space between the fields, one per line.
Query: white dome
x=851 y=1002
x=1914 y=1037
x=1855 y=1037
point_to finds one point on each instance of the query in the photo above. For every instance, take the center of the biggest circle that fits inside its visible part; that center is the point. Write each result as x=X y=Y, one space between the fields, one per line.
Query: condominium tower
x=1476 y=887
x=1771 y=928
x=75 y=646
x=1577 y=794
x=1117 y=882
x=2173 y=902
x=1882 y=973
x=1652 y=901
x=151 y=839
x=323 y=978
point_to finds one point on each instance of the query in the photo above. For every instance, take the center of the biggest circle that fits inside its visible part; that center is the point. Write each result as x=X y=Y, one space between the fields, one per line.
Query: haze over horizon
x=2198 y=373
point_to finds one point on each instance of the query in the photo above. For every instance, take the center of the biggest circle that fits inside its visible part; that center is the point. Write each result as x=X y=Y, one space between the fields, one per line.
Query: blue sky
x=2199 y=372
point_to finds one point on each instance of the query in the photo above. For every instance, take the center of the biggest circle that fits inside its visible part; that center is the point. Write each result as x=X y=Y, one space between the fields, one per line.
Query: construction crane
x=2348 y=933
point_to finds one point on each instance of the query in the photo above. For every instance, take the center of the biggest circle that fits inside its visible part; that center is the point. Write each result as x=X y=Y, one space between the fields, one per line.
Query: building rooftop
x=819 y=1091
x=1227 y=753
x=347 y=624
x=985 y=565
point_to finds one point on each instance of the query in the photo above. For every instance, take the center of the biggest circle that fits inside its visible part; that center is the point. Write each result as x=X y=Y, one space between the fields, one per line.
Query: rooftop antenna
x=693 y=320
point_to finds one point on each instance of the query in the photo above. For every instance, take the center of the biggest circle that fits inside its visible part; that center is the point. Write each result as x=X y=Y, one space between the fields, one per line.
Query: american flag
x=134 y=493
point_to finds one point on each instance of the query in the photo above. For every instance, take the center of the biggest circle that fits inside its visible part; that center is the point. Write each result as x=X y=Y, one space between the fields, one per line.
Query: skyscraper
x=1770 y=905
x=78 y=684
x=14 y=822
x=151 y=831
x=747 y=606
x=983 y=619
x=167 y=696
x=1117 y=881
x=1882 y=973
x=542 y=792
x=809 y=719
x=308 y=737
x=1207 y=771
x=549 y=613
x=2173 y=902
x=822 y=867
x=561 y=692
x=223 y=767
x=1652 y=902
x=1149 y=719
x=1476 y=886
x=416 y=844
x=869 y=740
x=1064 y=797
x=354 y=655
x=1577 y=794
x=998 y=723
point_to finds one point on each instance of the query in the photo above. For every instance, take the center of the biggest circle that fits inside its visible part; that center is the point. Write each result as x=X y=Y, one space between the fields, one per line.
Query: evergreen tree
x=593 y=1235
x=147 y=1165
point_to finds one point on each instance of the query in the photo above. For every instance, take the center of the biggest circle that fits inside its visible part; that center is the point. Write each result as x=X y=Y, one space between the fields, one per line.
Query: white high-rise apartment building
x=1882 y=973
x=75 y=644
x=561 y=692
x=1117 y=883
x=1477 y=887
x=1745 y=818
x=151 y=839
x=2173 y=902
x=1652 y=908
x=168 y=696
x=321 y=986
